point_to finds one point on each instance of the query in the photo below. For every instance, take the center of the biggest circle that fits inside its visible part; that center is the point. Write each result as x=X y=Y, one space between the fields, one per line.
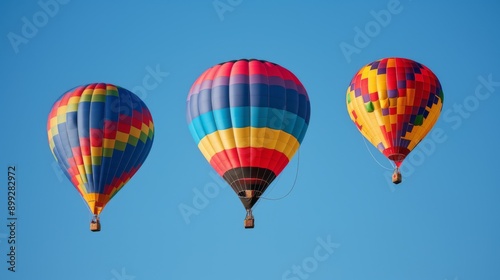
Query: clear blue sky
x=440 y=223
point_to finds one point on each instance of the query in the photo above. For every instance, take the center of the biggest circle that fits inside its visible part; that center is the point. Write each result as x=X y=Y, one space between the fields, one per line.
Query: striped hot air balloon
x=248 y=118
x=100 y=134
x=394 y=103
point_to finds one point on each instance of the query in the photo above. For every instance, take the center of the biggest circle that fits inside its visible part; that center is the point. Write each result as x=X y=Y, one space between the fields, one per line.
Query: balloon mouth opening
x=250 y=190
x=96 y=202
x=251 y=187
x=249 y=183
x=396 y=154
x=250 y=194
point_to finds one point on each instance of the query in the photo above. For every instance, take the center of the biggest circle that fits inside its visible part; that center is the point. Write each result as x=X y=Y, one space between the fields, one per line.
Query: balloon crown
x=247 y=59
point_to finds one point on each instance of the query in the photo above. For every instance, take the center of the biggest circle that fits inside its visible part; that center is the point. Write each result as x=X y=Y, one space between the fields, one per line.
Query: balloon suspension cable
x=249 y=221
x=368 y=148
x=249 y=214
x=293 y=185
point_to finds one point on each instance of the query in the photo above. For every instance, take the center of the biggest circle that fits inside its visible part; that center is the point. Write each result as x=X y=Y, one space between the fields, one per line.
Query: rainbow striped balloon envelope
x=394 y=103
x=248 y=118
x=100 y=134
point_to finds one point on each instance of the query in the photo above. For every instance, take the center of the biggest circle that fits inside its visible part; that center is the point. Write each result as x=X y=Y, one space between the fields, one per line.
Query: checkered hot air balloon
x=100 y=134
x=394 y=103
x=248 y=118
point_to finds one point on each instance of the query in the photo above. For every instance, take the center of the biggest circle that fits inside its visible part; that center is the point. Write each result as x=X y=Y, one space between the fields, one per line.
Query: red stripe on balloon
x=249 y=157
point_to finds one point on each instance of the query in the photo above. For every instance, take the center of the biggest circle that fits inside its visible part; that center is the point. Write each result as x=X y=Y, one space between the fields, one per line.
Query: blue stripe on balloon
x=113 y=166
x=96 y=121
x=196 y=129
x=96 y=115
x=62 y=151
x=208 y=121
x=223 y=118
x=111 y=112
x=71 y=129
x=220 y=98
x=124 y=107
x=239 y=117
x=83 y=119
x=135 y=154
x=122 y=165
x=204 y=101
x=242 y=95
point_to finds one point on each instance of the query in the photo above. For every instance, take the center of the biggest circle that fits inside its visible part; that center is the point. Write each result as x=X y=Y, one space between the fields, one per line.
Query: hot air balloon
x=100 y=134
x=248 y=118
x=394 y=103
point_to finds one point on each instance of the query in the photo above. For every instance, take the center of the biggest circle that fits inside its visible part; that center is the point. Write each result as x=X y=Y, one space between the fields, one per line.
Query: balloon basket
x=249 y=223
x=396 y=177
x=95 y=226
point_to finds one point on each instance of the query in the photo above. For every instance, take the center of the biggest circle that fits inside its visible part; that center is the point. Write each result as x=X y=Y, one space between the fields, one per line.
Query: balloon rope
x=294 y=181
x=368 y=148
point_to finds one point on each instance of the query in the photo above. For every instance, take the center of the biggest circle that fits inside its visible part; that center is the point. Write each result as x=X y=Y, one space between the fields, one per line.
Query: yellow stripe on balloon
x=231 y=138
x=96 y=201
x=370 y=122
x=81 y=177
x=419 y=132
x=123 y=137
x=96 y=151
x=73 y=104
x=53 y=122
x=382 y=87
x=401 y=108
x=134 y=131
x=108 y=143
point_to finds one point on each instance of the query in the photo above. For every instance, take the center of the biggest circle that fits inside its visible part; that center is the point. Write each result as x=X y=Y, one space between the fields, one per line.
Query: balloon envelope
x=100 y=134
x=248 y=118
x=394 y=103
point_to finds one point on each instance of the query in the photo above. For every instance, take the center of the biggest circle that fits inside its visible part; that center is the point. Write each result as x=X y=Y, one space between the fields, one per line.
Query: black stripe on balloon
x=243 y=179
